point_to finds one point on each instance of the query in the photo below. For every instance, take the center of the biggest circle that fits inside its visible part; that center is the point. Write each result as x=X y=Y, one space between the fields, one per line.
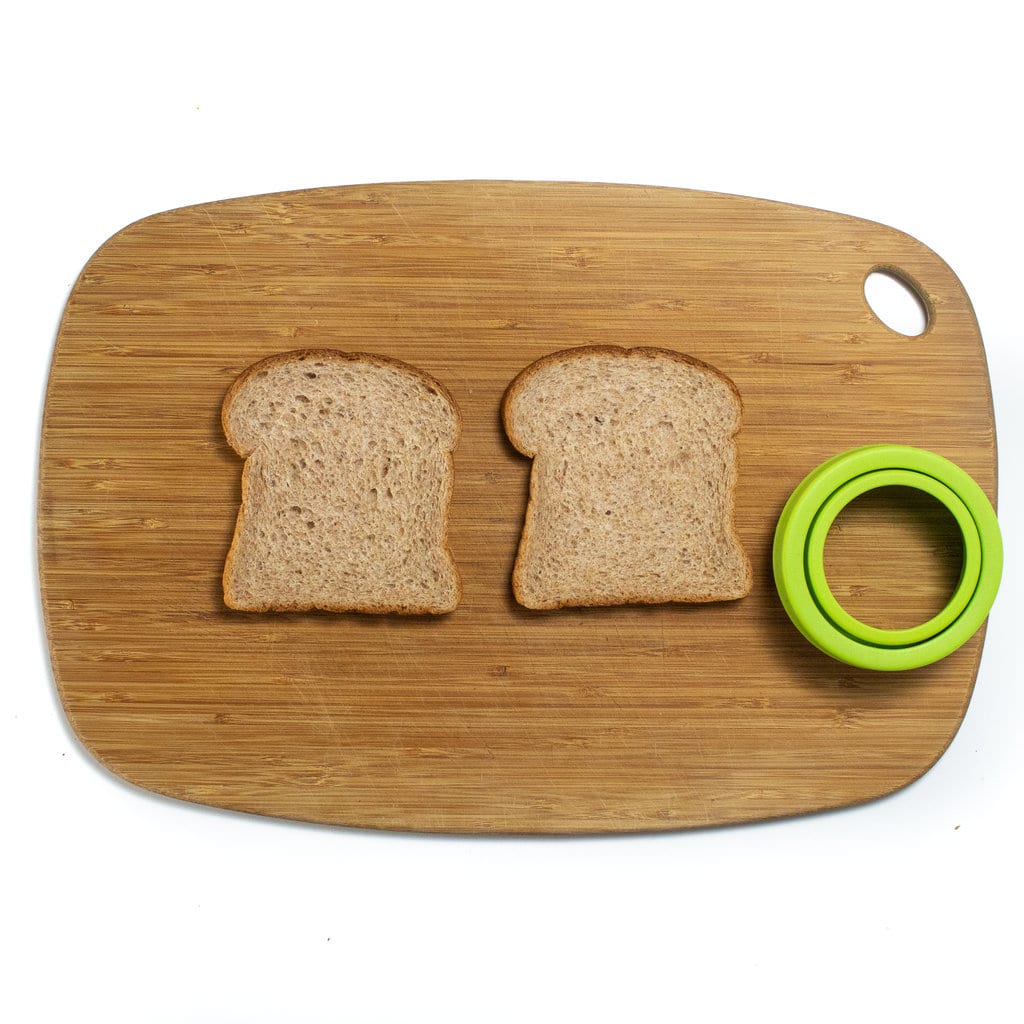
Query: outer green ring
x=789 y=557
x=815 y=558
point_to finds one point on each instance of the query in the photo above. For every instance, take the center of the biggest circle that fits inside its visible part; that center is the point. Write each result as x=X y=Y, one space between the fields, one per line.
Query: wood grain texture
x=493 y=718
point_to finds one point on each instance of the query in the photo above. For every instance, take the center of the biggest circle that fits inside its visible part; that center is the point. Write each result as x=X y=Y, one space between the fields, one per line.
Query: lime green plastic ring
x=969 y=575
x=798 y=557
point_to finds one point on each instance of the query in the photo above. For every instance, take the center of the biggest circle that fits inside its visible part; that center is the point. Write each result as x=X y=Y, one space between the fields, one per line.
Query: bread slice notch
x=346 y=486
x=633 y=479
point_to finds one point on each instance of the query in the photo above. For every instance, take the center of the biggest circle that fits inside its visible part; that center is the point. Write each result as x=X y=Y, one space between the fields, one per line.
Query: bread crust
x=525 y=377
x=515 y=390
x=327 y=354
x=304 y=354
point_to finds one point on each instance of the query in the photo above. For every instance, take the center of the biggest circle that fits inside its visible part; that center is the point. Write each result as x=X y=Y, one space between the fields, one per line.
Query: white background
x=121 y=906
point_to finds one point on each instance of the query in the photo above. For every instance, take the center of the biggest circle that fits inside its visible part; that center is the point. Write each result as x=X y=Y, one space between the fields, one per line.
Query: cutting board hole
x=896 y=302
x=893 y=557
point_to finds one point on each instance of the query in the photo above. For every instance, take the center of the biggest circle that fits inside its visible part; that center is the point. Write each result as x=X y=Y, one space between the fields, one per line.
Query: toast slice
x=345 y=488
x=633 y=479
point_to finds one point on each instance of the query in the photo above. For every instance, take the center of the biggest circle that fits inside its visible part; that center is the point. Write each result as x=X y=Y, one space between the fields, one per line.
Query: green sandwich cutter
x=798 y=557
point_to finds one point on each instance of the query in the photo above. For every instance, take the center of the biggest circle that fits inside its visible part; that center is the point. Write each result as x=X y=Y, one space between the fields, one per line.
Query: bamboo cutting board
x=495 y=718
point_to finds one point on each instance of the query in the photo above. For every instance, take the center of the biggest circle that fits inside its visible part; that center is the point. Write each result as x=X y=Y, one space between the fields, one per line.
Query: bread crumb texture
x=346 y=486
x=633 y=479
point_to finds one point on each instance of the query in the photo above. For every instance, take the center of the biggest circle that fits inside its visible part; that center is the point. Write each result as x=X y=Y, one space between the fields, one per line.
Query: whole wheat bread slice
x=345 y=488
x=633 y=479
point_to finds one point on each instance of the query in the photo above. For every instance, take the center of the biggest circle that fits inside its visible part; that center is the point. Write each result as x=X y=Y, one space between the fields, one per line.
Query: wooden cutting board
x=494 y=718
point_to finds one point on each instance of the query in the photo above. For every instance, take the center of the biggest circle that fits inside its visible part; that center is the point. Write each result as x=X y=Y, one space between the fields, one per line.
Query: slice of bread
x=345 y=488
x=631 y=491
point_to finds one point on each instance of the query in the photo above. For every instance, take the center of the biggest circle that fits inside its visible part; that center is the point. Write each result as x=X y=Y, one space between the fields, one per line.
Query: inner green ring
x=815 y=557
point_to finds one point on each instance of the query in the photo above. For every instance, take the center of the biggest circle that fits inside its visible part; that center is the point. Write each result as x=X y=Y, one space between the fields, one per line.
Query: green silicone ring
x=799 y=575
x=815 y=568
